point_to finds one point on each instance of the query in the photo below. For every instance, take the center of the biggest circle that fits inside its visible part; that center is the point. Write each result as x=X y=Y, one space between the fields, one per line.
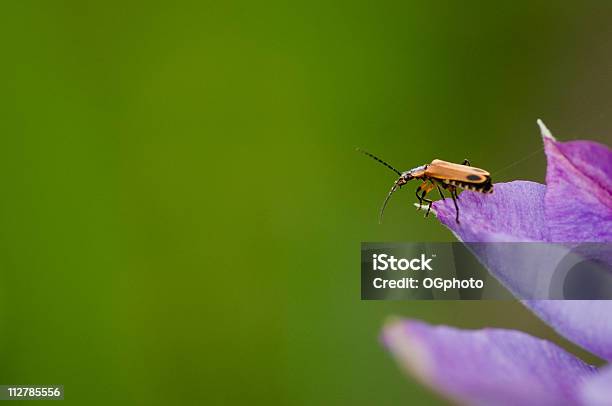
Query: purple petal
x=487 y=367
x=597 y=390
x=574 y=207
x=579 y=192
x=514 y=212
x=585 y=322
x=489 y=218
x=579 y=208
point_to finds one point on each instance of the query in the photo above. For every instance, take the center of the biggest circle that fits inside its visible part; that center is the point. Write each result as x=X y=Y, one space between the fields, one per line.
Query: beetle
x=441 y=175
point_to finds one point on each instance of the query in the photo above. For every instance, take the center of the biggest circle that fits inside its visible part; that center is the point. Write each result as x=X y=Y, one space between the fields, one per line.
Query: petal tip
x=544 y=131
x=401 y=337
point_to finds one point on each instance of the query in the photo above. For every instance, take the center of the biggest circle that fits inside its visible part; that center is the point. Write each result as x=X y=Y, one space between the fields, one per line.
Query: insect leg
x=421 y=191
x=419 y=197
x=429 y=206
x=427 y=201
x=440 y=191
x=427 y=187
x=466 y=162
x=430 y=187
x=454 y=196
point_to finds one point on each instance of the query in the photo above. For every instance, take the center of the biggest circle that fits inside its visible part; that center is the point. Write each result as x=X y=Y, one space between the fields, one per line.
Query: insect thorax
x=417 y=172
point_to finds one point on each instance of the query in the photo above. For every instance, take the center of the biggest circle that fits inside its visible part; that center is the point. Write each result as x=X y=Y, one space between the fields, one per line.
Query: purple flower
x=493 y=366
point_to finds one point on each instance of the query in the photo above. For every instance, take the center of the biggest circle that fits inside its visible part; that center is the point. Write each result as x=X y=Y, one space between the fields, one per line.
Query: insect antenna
x=379 y=160
x=382 y=209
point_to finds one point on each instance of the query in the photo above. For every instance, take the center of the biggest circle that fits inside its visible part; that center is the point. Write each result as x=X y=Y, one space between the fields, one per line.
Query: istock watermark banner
x=486 y=271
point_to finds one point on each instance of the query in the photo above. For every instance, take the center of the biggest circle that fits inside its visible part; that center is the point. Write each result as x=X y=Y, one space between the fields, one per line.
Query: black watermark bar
x=31 y=392
x=486 y=271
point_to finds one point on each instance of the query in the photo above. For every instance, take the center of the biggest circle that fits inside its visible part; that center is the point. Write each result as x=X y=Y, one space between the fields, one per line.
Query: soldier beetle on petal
x=441 y=175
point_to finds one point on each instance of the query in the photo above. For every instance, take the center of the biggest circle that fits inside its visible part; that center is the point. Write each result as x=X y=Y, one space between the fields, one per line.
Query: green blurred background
x=182 y=205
